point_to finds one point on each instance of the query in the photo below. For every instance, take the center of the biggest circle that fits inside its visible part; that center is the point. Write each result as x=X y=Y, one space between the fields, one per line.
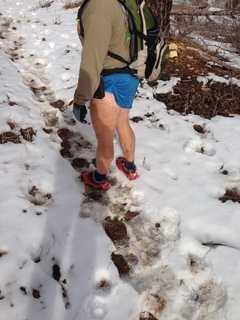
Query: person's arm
x=97 y=38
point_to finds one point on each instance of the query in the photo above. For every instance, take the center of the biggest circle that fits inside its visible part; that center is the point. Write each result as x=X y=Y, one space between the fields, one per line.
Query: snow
x=185 y=239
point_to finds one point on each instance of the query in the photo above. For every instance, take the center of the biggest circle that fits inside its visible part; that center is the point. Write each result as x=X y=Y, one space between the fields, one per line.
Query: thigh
x=104 y=115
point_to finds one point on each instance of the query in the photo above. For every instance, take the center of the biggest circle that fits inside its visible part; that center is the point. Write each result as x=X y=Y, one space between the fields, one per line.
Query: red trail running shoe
x=88 y=179
x=130 y=174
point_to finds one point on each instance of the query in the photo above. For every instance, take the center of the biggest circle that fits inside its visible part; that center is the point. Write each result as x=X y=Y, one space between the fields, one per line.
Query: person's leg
x=126 y=135
x=104 y=115
x=127 y=142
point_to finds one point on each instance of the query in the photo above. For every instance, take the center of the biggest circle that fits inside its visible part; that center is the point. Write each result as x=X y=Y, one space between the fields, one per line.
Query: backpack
x=148 y=51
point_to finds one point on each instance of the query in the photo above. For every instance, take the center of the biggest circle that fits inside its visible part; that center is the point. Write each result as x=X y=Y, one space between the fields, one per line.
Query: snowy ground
x=55 y=257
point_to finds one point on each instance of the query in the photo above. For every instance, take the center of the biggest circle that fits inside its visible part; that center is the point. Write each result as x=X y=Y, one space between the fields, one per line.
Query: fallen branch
x=204 y=12
x=205 y=56
x=208 y=57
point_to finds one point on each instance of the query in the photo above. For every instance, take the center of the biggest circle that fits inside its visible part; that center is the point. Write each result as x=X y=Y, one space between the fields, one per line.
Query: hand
x=80 y=112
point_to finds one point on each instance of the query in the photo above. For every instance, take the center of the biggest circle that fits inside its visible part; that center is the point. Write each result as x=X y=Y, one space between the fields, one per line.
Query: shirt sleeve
x=97 y=38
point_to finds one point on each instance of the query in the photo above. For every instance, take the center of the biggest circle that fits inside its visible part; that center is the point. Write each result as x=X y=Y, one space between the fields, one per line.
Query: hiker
x=110 y=92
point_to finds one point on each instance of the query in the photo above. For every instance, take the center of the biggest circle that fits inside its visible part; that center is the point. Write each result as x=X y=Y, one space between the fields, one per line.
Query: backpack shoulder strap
x=117 y=57
x=79 y=17
x=112 y=54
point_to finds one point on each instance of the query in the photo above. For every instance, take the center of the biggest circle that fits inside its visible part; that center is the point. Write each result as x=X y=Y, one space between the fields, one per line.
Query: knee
x=106 y=153
x=105 y=146
x=104 y=140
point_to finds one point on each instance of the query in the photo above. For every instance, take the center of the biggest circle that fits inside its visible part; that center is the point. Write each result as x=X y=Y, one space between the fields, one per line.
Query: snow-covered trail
x=147 y=248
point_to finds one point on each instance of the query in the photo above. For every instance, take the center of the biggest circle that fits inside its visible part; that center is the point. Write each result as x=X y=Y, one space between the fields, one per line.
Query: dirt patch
x=130 y=215
x=233 y=195
x=147 y=316
x=116 y=230
x=64 y=134
x=80 y=163
x=2 y=253
x=121 y=264
x=59 y=104
x=190 y=95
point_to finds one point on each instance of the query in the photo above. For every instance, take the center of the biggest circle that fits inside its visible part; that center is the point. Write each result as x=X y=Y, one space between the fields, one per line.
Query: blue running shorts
x=123 y=86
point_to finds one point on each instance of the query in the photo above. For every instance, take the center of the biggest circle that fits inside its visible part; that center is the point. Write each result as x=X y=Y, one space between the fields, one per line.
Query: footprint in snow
x=199 y=146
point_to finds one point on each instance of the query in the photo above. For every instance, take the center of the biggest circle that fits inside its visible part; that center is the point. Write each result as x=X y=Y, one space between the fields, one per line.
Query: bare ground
x=190 y=95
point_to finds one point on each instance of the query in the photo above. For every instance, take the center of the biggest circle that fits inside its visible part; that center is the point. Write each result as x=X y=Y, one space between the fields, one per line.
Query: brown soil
x=190 y=95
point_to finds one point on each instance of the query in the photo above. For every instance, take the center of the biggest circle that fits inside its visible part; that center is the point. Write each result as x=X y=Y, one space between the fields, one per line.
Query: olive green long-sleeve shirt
x=105 y=30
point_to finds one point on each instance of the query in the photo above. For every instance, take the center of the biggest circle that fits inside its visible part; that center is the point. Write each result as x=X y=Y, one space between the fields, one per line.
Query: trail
x=145 y=250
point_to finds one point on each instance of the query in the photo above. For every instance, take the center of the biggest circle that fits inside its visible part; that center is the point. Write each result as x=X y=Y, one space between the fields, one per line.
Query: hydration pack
x=148 y=51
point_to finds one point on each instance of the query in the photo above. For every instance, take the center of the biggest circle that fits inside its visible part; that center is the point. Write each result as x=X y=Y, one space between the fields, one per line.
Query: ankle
x=130 y=165
x=98 y=176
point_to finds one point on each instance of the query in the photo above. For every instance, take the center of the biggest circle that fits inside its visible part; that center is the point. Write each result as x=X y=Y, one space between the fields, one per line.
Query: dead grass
x=12 y=125
x=9 y=136
x=56 y=19
x=44 y=3
x=12 y=137
x=37 y=197
x=70 y=4
x=4 y=25
x=28 y=134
